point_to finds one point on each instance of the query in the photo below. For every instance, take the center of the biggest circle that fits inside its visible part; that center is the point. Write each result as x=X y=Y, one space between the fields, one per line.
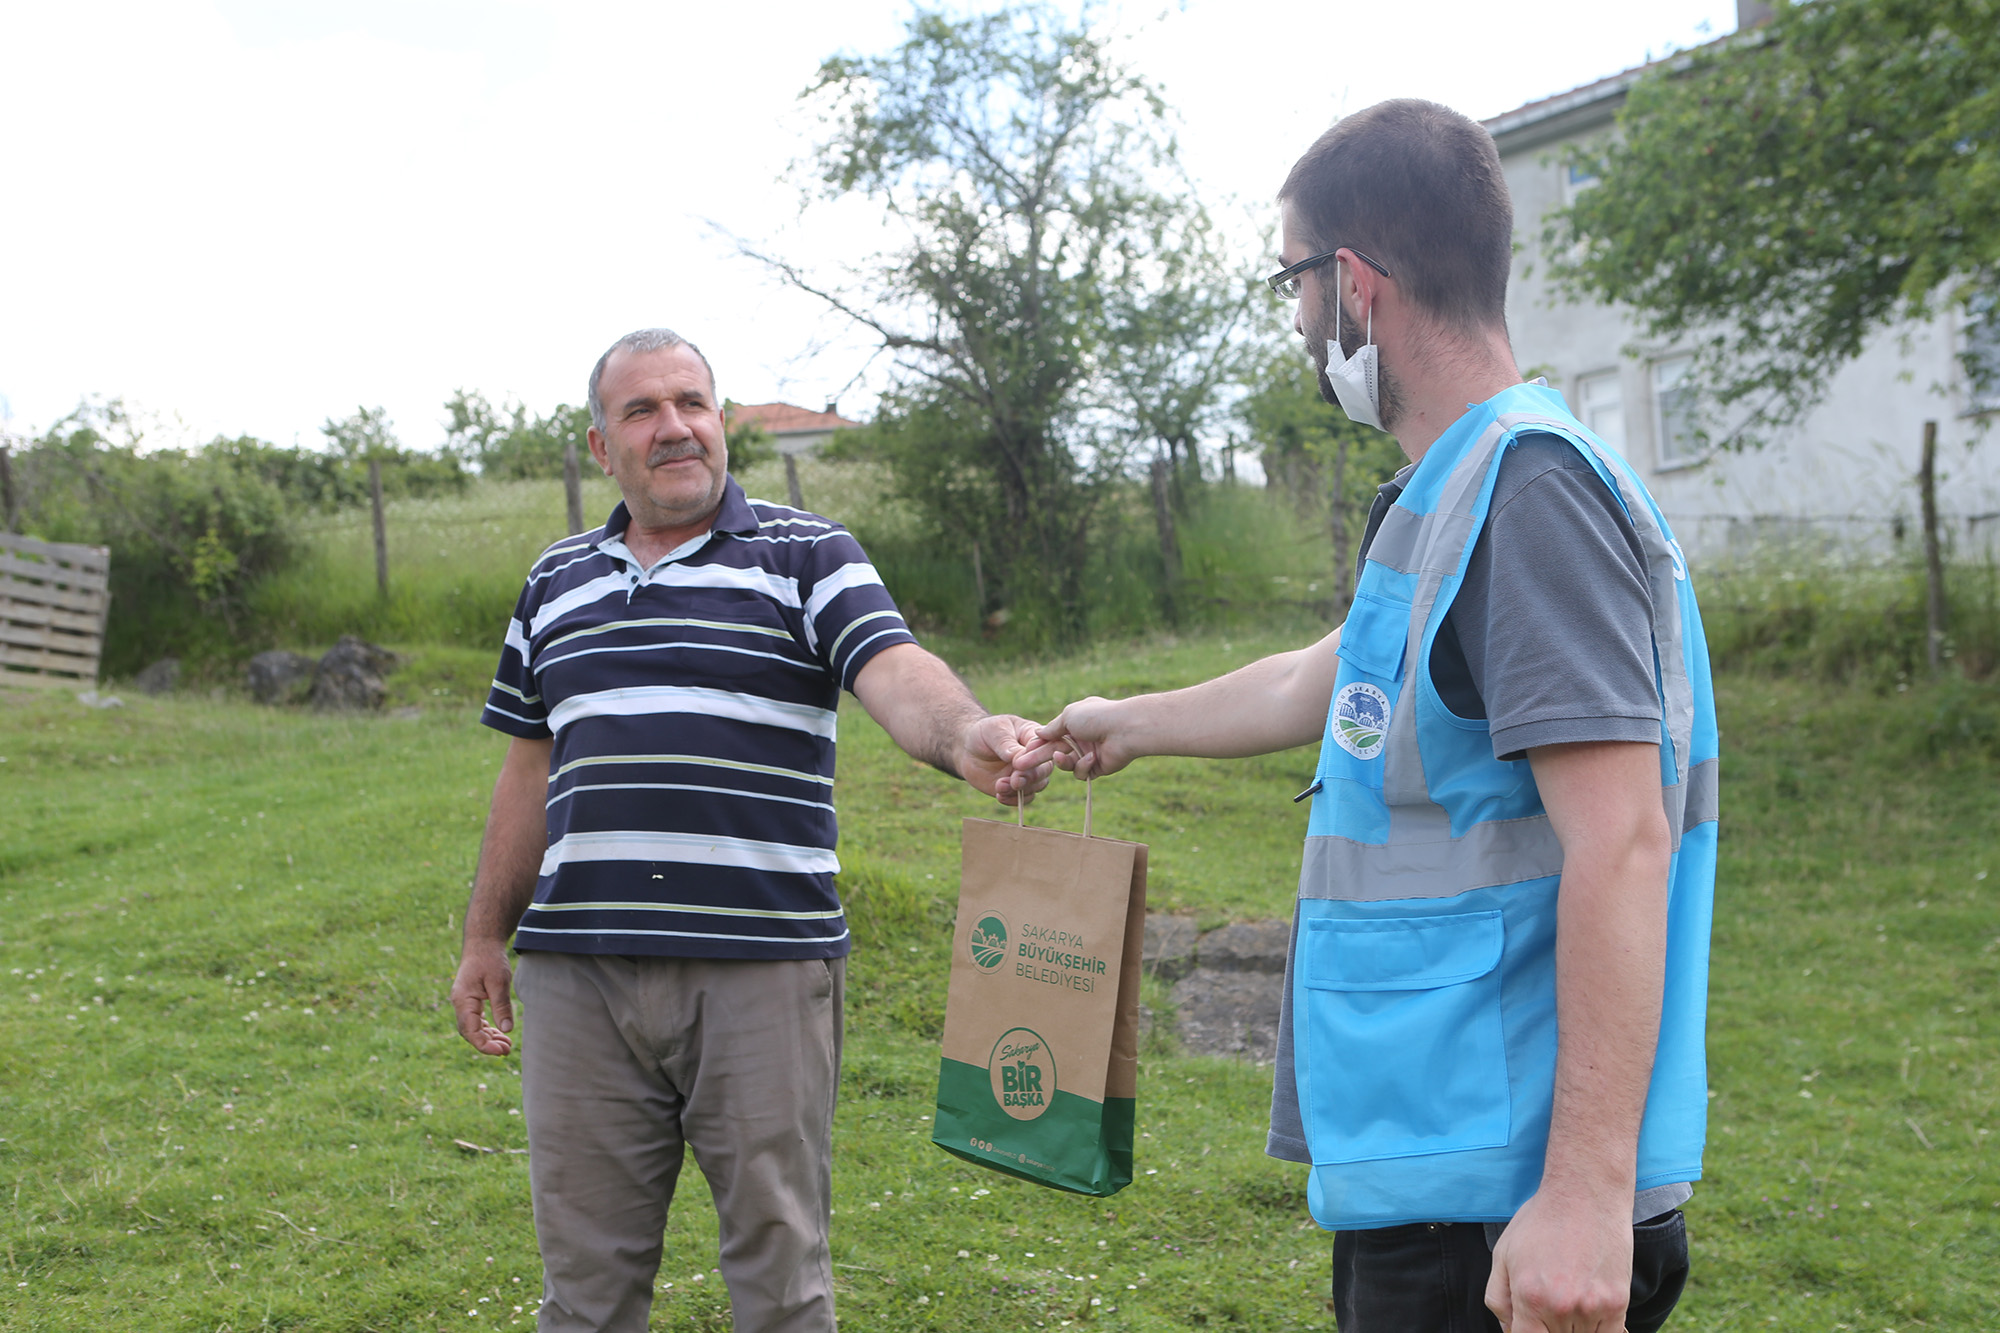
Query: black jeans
x=1430 y=1277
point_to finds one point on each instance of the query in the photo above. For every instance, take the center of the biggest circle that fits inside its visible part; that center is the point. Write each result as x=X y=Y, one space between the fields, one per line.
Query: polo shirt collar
x=734 y=515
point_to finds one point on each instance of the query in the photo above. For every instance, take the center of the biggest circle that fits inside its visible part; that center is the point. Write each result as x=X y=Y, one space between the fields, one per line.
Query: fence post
x=794 y=494
x=381 y=531
x=573 y=485
x=1934 y=609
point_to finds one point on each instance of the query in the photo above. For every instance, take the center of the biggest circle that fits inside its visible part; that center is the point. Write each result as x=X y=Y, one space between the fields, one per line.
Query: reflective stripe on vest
x=1423 y=983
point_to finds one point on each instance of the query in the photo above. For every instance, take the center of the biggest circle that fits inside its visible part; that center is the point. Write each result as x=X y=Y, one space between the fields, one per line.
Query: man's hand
x=1564 y=1265
x=483 y=979
x=991 y=758
x=929 y=712
x=1084 y=739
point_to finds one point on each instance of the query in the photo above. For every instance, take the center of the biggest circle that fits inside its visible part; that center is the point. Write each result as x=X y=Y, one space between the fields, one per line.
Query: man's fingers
x=503 y=1009
x=1003 y=736
x=1500 y=1296
x=1038 y=755
x=466 y=1008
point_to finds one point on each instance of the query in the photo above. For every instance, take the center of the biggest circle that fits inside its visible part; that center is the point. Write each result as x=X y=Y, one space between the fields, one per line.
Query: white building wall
x=1843 y=477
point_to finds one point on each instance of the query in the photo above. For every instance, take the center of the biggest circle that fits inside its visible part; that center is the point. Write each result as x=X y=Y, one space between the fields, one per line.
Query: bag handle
x=1021 y=810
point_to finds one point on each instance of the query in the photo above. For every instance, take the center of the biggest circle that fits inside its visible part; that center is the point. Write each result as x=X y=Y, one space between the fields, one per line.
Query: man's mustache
x=667 y=453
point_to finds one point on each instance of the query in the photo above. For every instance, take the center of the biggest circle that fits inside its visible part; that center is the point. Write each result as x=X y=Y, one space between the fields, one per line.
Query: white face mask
x=1356 y=379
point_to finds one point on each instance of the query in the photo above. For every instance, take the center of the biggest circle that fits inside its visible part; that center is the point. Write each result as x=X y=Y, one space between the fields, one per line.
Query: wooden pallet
x=53 y=601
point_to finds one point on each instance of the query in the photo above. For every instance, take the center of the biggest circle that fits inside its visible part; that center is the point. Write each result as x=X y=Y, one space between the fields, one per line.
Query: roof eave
x=1562 y=117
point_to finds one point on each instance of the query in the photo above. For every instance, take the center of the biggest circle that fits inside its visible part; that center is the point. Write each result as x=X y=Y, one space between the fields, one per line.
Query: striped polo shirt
x=692 y=705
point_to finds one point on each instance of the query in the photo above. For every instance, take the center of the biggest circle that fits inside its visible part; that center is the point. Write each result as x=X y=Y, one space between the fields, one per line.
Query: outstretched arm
x=1565 y=1261
x=1274 y=703
x=510 y=858
x=930 y=712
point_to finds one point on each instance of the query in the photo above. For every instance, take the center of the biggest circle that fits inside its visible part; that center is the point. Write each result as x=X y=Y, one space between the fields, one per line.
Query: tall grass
x=456 y=565
x=1831 y=617
x=1249 y=560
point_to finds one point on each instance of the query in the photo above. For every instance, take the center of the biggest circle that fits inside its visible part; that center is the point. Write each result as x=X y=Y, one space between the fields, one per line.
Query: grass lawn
x=229 y=1088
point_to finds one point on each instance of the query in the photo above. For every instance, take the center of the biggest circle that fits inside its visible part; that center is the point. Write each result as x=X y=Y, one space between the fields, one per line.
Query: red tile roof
x=784 y=419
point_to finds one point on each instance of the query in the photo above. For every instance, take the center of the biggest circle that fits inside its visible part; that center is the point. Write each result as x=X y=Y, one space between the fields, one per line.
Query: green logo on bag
x=1024 y=1073
x=989 y=942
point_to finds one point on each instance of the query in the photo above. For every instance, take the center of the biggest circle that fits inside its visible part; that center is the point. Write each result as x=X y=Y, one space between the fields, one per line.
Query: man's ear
x=1360 y=285
x=595 y=438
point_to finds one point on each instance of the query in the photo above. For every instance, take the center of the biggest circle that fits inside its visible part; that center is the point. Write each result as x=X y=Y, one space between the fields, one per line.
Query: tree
x=1023 y=169
x=1177 y=343
x=1778 y=196
x=1312 y=451
x=510 y=442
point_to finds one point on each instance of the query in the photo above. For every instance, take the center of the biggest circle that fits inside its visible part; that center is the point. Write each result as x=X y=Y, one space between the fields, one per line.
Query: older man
x=1492 y=1052
x=661 y=850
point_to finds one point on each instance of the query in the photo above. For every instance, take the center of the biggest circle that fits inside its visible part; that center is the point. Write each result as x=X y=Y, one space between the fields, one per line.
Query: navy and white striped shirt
x=690 y=808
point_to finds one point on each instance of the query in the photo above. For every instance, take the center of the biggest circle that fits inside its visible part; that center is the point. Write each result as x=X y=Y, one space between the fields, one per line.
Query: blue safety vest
x=1423 y=1000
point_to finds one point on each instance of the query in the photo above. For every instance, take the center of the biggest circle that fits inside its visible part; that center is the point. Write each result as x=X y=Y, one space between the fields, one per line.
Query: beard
x=1352 y=337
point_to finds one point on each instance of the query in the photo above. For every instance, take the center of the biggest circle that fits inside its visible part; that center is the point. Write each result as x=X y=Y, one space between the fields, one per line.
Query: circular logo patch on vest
x=1360 y=719
x=988 y=941
x=1024 y=1073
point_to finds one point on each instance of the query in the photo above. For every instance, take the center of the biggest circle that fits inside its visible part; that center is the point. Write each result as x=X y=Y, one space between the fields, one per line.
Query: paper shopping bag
x=1041 y=1030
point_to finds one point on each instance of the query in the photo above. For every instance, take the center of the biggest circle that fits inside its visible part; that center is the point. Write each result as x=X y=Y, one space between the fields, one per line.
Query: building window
x=1601 y=407
x=1675 y=439
x=1981 y=354
x=1575 y=181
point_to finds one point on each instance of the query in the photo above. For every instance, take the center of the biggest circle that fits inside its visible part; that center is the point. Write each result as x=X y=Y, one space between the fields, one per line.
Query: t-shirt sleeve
x=1555 y=616
x=849 y=615
x=514 y=703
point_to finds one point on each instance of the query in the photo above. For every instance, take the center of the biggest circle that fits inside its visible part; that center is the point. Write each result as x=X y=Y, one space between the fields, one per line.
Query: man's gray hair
x=639 y=342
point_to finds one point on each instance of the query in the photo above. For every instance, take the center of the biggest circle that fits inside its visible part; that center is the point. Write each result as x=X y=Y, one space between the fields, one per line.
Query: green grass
x=182 y=865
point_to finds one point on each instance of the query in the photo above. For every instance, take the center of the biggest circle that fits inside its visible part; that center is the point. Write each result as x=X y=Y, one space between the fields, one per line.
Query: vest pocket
x=1403 y=1051
x=1374 y=636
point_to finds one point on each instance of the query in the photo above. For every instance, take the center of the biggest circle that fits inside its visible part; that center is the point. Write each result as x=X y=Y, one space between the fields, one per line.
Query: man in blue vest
x=1491 y=1055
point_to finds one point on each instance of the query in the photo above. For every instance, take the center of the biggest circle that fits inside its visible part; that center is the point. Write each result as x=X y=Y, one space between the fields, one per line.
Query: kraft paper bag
x=1039 y=1070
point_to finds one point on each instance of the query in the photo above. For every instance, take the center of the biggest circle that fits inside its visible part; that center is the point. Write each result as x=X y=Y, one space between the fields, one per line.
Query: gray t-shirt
x=1549 y=640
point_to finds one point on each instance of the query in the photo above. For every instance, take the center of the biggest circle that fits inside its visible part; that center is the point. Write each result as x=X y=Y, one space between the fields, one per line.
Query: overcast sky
x=244 y=216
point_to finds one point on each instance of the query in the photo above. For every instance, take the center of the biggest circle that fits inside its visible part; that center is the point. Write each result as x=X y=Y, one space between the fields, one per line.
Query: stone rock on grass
x=1230 y=1013
x=279 y=676
x=1247 y=946
x=349 y=677
x=1169 y=949
x=159 y=678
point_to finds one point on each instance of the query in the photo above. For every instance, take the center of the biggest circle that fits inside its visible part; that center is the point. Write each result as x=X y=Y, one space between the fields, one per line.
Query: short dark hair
x=1417 y=186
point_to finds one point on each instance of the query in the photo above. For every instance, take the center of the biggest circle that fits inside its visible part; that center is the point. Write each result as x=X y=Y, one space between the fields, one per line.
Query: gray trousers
x=628 y=1062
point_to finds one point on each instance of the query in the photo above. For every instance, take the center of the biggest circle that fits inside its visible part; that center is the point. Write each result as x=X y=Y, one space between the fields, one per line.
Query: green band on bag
x=1076 y=1144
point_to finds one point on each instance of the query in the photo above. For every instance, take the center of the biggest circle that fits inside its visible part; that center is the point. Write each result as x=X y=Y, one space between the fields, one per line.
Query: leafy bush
x=189 y=531
x=193 y=532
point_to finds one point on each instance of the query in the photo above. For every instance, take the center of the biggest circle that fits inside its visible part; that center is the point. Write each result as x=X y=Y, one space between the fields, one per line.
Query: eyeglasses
x=1285 y=282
